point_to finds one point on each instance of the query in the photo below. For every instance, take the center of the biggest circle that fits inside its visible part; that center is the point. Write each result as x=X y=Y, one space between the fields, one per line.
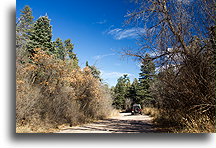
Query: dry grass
x=153 y=112
x=200 y=124
x=181 y=123
x=114 y=113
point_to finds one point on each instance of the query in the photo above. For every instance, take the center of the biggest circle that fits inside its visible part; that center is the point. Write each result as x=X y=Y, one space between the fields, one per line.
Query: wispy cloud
x=185 y=1
x=119 y=34
x=111 y=77
x=99 y=57
x=101 y=22
x=117 y=64
x=116 y=75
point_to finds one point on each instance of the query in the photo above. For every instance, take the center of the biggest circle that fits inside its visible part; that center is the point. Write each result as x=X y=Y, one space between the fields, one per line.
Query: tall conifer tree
x=133 y=92
x=146 y=77
x=69 y=51
x=24 y=27
x=59 y=50
x=41 y=36
x=121 y=91
x=25 y=23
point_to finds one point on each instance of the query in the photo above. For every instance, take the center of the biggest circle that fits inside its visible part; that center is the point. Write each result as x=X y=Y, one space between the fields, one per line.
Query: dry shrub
x=186 y=92
x=153 y=112
x=115 y=113
x=198 y=124
x=51 y=92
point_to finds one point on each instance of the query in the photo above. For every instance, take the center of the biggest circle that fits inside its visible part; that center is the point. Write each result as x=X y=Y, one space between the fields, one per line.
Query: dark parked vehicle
x=136 y=109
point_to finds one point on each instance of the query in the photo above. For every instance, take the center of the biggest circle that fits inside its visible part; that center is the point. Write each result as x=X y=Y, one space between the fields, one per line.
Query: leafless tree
x=180 y=35
x=171 y=24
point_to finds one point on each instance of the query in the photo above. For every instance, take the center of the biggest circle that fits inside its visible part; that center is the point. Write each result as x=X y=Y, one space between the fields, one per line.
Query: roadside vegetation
x=51 y=89
x=176 y=83
x=177 y=58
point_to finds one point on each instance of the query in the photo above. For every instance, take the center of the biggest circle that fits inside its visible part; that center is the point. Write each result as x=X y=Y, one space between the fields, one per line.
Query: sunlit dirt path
x=124 y=123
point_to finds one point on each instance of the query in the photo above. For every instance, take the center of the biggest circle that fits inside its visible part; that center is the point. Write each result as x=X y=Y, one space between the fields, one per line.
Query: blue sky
x=96 y=27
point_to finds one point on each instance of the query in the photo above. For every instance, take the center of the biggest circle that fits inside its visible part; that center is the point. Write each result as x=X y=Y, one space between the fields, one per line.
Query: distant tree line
x=138 y=92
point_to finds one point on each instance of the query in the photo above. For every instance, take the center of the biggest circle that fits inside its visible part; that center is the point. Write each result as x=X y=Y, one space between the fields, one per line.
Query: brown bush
x=153 y=112
x=51 y=92
x=186 y=92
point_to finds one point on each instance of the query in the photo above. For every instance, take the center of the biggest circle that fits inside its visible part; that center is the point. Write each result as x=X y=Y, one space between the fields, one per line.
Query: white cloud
x=99 y=57
x=101 y=22
x=139 y=64
x=114 y=31
x=185 y=1
x=169 y=49
x=111 y=77
x=119 y=34
x=153 y=54
x=114 y=74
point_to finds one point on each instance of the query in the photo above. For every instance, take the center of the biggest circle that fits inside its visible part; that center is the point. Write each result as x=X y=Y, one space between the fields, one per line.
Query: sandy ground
x=124 y=123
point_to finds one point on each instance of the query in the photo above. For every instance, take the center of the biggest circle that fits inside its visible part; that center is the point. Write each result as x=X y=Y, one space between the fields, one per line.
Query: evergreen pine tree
x=23 y=30
x=147 y=71
x=25 y=23
x=69 y=51
x=146 y=77
x=59 y=50
x=94 y=71
x=41 y=36
x=121 y=91
x=134 y=92
x=87 y=64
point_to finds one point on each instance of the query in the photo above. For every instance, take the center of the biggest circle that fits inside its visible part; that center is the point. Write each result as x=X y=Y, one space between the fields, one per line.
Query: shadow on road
x=124 y=124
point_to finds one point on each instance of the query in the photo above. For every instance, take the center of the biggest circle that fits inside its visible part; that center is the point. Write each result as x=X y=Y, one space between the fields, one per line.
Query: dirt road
x=124 y=123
